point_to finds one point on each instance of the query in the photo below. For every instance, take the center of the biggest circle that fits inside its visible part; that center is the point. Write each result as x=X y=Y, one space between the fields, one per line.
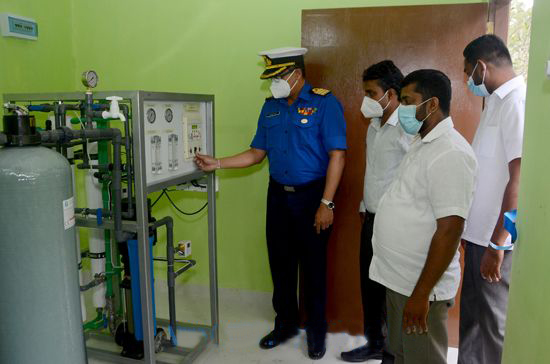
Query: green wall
x=208 y=46
x=43 y=65
x=204 y=46
x=194 y=46
x=527 y=336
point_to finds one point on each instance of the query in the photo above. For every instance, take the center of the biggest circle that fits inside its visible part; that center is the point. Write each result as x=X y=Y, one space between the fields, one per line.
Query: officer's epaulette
x=320 y=91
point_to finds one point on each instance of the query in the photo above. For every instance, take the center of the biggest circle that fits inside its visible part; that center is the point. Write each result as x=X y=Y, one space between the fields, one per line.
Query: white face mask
x=280 y=88
x=372 y=108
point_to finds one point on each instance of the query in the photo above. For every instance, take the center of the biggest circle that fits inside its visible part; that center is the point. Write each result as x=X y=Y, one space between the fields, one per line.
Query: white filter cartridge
x=96 y=237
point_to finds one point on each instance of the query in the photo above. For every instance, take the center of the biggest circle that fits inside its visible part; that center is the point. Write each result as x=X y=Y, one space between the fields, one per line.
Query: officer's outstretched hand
x=323 y=218
x=206 y=162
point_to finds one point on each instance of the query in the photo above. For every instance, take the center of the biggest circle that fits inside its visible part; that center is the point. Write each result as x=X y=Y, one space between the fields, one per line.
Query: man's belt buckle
x=289 y=188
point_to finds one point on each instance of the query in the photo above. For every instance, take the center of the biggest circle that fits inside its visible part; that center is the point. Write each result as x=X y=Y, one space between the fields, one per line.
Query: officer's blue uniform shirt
x=298 y=137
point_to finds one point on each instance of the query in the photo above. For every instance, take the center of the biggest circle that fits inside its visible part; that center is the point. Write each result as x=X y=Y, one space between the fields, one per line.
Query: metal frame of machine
x=141 y=226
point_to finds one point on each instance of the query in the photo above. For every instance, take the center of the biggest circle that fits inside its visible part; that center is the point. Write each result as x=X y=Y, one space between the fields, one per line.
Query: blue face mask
x=408 y=120
x=478 y=90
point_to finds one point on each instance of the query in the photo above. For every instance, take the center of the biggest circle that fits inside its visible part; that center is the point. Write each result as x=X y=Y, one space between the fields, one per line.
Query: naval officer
x=302 y=131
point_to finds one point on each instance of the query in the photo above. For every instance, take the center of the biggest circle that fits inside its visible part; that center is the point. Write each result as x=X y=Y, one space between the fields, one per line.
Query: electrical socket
x=188 y=186
x=184 y=248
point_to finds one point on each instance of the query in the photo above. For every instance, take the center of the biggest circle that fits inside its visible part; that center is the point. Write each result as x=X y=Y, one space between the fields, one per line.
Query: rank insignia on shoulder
x=320 y=91
x=307 y=110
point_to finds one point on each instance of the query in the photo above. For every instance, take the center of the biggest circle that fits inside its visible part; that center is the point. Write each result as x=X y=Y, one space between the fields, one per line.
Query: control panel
x=175 y=131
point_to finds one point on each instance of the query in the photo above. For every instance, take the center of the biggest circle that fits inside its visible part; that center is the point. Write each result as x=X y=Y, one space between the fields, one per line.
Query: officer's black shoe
x=316 y=347
x=364 y=353
x=316 y=354
x=276 y=337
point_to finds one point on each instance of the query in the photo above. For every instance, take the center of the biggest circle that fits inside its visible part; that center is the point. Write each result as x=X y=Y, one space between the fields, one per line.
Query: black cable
x=183 y=212
x=196 y=184
x=158 y=198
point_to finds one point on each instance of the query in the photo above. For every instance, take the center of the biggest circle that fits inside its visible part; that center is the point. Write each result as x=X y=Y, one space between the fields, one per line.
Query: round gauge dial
x=151 y=115
x=89 y=79
x=169 y=115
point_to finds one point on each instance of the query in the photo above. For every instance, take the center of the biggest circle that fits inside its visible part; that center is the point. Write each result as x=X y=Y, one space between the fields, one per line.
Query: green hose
x=97 y=323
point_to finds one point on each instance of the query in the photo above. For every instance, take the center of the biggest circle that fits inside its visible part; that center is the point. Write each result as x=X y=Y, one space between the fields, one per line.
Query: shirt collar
x=392 y=120
x=375 y=122
x=509 y=86
x=305 y=94
x=440 y=129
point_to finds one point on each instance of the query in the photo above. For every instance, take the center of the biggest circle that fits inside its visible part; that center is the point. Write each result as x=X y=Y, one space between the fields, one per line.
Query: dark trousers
x=293 y=242
x=483 y=307
x=373 y=294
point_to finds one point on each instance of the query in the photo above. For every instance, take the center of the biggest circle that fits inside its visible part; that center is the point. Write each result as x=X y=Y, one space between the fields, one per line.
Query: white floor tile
x=246 y=317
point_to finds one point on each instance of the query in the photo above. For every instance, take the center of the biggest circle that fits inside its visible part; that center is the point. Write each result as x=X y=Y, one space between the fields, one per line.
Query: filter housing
x=40 y=314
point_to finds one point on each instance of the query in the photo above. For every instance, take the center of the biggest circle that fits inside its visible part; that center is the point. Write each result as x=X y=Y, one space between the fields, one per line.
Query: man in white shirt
x=387 y=144
x=497 y=145
x=419 y=222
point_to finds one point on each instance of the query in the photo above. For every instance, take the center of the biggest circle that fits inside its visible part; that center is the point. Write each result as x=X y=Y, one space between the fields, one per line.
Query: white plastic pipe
x=79 y=258
x=96 y=236
x=70 y=154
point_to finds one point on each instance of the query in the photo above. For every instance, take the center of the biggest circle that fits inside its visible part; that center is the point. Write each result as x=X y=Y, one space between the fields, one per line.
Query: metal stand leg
x=143 y=238
x=213 y=258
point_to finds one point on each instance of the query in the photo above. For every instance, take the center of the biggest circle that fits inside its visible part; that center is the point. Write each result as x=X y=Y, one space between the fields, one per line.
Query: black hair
x=488 y=48
x=431 y=83
x=386 y=74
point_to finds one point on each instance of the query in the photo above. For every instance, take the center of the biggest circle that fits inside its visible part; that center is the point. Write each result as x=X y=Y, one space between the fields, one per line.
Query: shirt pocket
x=488 y=142
x=273 y=132
x=307 y=130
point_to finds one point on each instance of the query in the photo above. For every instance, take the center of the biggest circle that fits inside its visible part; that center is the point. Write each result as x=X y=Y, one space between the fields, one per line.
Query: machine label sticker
x=68 y=213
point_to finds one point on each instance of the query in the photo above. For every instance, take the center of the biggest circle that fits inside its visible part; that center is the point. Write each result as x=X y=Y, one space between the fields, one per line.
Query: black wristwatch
x=328 y=203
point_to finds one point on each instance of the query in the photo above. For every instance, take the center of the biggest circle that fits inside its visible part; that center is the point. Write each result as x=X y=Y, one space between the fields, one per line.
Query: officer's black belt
x=298 y=188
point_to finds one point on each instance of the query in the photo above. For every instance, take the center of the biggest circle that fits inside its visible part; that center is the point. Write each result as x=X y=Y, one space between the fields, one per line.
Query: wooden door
x=342 y=43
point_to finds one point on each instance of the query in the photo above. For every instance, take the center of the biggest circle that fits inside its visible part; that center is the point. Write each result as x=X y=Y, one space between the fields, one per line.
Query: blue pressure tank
x=40 y=318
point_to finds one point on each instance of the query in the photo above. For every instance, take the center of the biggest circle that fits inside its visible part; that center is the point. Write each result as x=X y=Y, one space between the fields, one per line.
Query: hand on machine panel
x=206 y=163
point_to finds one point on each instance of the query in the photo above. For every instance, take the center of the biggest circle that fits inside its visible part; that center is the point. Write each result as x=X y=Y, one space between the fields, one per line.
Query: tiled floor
x=236 y=351
x=245 y=318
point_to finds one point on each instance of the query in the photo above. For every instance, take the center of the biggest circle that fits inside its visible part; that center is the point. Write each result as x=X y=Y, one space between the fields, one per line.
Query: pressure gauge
x=169 y=115
x=89 y=79
x=151 y=115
